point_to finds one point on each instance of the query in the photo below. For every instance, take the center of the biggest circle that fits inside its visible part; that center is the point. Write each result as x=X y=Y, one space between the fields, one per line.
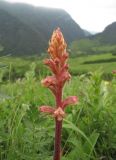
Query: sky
x=92 y=15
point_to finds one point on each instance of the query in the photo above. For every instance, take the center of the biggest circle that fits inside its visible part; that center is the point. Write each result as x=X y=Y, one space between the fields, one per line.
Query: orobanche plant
x=57 y=63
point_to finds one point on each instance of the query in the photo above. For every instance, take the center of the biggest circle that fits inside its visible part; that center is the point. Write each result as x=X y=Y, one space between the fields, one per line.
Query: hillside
x=108 y=36
x=25 y=29
x=104 y=42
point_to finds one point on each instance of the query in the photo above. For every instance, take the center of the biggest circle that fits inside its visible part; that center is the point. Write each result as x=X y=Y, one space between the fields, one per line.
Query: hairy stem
x=58 y=129
x=57 y=145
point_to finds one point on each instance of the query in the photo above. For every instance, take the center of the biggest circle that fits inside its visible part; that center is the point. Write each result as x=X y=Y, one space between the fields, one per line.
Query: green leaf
x=72 y=126
x=93 y=139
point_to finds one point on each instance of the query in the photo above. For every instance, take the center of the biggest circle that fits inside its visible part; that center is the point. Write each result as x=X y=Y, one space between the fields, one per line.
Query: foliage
x=90 y=46
x=108 y=36
x=104 y=42
x=78 y=65
x=83 y=46
x=15 y=67
x=89 y=128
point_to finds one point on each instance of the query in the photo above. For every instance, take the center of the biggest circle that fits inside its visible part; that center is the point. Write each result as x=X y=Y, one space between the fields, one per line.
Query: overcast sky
x=92 y=15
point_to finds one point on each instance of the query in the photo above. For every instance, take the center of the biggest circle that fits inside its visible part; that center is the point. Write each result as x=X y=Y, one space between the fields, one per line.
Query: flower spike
x=57 y=63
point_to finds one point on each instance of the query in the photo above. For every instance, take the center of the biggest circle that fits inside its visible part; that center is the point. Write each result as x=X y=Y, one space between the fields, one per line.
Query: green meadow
x=17 y=67
x=89 y=129
x=105 y=62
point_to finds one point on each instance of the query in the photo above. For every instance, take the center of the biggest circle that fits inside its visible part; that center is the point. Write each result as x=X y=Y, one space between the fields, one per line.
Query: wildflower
x=57 y=63
x=59 y=114
x=114 y=71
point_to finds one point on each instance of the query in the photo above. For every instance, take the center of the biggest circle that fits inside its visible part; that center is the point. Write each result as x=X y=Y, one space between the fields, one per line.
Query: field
x=89 y=130
x=93 y=62
x=16 y=67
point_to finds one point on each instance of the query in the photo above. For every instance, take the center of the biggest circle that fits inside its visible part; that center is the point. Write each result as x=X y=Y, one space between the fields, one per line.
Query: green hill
x=104 y=42
x=25 y=29
x=108 y=36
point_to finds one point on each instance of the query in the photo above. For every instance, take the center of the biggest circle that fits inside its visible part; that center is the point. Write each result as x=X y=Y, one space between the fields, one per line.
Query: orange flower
x=59 y=114
x=56 y=113
x=59 y=67
x=57 y=44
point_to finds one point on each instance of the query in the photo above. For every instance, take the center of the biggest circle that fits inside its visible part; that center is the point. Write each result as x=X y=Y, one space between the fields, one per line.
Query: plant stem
x=58 y=129
x=57 y=145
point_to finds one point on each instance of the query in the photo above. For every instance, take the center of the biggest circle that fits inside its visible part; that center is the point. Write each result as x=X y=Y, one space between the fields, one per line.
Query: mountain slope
x=104 y=42
x=108 y=36
x=17 y=37
x=25 y=29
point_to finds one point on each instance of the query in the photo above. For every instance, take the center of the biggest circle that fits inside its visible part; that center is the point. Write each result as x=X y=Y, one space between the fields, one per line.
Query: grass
x=89 y=128
x=77 y=64
x=88 y=131
x=19 y=66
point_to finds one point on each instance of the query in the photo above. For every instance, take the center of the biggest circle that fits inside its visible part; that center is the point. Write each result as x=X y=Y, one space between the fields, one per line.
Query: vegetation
x=57 y=63
x=89 y=128
x=104 y=42
x=15 y=67
x=90 y=47
x=108 y=36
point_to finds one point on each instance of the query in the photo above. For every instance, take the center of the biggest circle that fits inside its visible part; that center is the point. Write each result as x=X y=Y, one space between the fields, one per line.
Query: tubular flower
x=57 y=44
x=114 y=71
x=59 y=114
x=57 y=63
x=69 y=101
